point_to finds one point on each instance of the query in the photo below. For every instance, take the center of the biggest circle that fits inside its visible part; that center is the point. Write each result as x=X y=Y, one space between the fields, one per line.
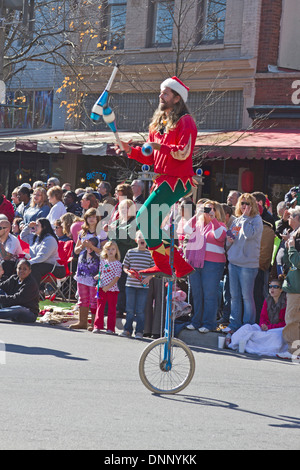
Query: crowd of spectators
x=238 y=250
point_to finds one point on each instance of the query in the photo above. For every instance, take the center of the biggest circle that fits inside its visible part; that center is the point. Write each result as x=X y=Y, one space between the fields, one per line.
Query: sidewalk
x=190 y=337
x=195 y=338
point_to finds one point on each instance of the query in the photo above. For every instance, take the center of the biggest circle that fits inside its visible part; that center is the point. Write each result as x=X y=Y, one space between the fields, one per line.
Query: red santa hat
x=177 y=85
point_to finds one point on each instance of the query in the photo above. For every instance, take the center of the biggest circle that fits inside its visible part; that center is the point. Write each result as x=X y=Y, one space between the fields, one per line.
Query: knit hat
x=25 y=185
x=177 y=85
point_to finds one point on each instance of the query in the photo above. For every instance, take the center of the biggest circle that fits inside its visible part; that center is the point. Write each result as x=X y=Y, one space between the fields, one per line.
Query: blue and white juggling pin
x=102 y=101
x=101 y=108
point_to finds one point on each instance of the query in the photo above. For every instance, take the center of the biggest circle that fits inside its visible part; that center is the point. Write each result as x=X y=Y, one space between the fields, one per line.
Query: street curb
x=195 y=338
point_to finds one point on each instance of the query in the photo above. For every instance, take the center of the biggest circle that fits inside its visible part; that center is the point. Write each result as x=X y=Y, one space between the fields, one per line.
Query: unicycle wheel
x=153 y=371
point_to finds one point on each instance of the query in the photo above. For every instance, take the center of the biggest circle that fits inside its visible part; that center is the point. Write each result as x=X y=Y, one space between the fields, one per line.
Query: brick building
x=278 y=65
x=272 y=153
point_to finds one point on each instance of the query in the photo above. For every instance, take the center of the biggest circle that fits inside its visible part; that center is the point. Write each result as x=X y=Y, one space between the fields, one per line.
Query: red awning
x=268 y=144
x=74 y=142
x=272 y=144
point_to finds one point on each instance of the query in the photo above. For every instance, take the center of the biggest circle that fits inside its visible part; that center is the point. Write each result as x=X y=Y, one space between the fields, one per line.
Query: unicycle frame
x=168 y=321
x=167 y=364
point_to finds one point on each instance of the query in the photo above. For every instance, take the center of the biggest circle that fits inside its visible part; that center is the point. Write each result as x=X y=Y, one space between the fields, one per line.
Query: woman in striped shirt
x=205 y=251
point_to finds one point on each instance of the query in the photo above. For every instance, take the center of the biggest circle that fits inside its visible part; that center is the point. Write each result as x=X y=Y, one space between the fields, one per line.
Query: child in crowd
x=135 y=260
x=180 y=308
x=88 y=248
x=110 y=271
x=59 y=232
x=15 y=228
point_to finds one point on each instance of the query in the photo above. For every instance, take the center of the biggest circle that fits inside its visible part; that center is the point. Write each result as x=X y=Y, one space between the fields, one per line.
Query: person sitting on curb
x=19 y=295
x=267 y=337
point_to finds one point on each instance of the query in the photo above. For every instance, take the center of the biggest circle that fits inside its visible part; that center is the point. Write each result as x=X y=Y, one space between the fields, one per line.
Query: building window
x=35 y=111
x=161 y=20
x=213 y=13
x=217 y=110
x=116 y=22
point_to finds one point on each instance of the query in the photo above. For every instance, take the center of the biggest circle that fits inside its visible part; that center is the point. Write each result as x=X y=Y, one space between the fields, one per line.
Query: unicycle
x=167 y=365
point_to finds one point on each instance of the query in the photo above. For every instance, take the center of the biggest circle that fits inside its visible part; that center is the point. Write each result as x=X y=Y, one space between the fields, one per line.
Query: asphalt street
x=63 y=389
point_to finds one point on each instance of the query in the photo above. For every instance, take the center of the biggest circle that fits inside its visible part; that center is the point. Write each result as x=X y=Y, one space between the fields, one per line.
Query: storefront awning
x=258 y=144
x=78 y=142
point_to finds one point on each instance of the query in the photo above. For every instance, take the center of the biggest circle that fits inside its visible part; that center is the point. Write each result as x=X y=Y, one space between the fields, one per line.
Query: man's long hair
x=160 y=120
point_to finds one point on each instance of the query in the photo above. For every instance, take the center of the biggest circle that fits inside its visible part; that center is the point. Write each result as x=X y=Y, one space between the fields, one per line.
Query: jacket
x=245 y=250
x=7 y=209
x=266 y=246
x=45 y=251
x=264 y=318
x=34 y=213
x=25 y=293
x=291 y=262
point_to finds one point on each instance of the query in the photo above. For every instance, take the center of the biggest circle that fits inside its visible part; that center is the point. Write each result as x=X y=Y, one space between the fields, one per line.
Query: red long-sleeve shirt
x=264 y=318
x=7 y=209
x=173 y=161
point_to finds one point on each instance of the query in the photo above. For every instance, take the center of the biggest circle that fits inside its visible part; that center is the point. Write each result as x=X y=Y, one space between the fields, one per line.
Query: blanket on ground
x=262 y=343
x=57 y=315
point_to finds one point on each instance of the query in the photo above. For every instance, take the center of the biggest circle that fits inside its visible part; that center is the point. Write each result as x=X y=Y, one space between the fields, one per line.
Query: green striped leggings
x=155 y=209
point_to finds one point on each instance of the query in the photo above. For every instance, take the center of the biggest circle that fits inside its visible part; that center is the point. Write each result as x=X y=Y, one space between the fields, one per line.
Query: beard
x=163 y=106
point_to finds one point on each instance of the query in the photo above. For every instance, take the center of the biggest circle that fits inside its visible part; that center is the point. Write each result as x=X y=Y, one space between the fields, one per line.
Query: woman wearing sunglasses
x=265 y=338
x=243 y=250
x=205 y=252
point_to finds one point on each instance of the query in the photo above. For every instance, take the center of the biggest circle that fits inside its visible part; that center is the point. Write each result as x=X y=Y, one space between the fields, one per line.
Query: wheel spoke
x=152 y=371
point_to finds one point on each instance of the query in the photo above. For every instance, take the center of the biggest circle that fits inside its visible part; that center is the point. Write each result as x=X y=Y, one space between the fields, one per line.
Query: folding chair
x=65 y=251
x=25 y=246
x=52 y=283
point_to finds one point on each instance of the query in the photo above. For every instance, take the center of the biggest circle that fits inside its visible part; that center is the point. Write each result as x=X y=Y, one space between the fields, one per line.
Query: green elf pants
x=155 y=210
